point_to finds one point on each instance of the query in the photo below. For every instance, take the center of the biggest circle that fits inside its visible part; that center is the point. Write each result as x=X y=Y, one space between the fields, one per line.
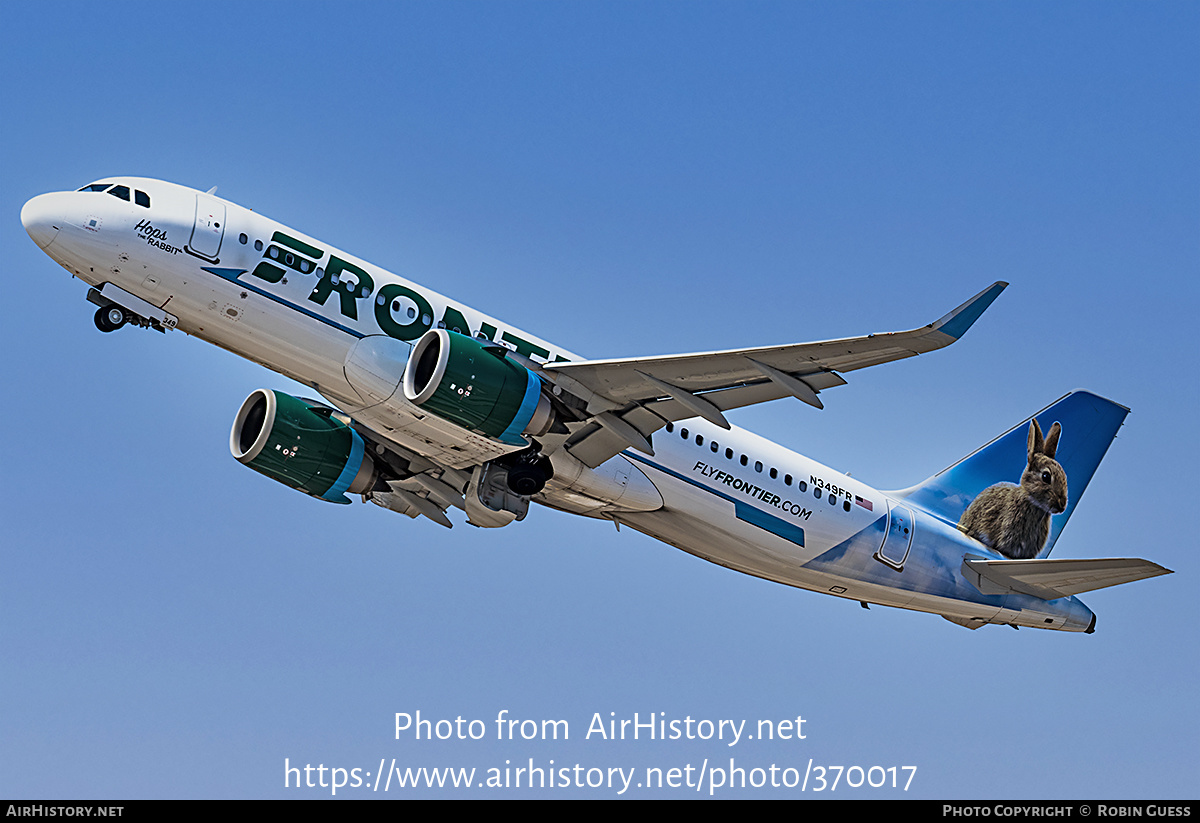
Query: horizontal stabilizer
x=1051 y=579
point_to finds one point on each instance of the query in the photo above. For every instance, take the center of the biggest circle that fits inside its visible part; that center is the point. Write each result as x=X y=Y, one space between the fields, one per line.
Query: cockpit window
x=141 y=198
x=120 y=191
x=96 y=187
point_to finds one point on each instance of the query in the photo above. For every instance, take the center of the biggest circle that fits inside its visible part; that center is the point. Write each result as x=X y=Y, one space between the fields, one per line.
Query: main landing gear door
x=897 y=538
x=209 y=228
x=490 y=503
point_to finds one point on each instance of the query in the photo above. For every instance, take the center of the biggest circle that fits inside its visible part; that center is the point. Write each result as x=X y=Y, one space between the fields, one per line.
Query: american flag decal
x=866 y=504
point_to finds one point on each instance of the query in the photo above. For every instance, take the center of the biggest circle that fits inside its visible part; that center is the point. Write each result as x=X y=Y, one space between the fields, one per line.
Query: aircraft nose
x=41 y=218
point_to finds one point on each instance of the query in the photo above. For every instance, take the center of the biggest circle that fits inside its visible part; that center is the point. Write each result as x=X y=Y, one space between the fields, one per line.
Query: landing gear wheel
x=526 y=479
x=110 y=318
x=529 y=476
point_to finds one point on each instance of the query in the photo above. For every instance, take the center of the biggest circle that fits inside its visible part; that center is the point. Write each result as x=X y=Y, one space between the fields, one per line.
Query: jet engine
x=474 y=384
x=302 y=445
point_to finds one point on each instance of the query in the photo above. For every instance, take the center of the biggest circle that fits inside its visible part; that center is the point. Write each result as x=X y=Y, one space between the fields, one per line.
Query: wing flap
x=724 y=399
x=593 y=444
x=1051 y=579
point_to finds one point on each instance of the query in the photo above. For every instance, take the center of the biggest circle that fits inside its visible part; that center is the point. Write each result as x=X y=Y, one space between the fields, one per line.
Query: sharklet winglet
x=956 y=323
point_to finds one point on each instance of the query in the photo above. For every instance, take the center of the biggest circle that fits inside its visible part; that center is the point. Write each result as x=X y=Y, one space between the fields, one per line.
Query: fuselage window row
x=715 y=447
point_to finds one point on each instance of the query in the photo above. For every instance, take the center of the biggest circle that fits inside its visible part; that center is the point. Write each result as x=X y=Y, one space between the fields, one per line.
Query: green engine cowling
x=284 y=438
x=473 y=383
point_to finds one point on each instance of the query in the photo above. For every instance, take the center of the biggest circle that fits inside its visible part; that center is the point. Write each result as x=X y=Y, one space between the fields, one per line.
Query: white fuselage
x=285 y=300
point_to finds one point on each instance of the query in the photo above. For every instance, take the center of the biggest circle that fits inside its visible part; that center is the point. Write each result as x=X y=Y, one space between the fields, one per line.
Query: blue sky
x=621 y=179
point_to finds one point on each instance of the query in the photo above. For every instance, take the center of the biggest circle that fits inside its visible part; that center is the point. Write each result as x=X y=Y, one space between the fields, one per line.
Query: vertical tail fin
x=1002 y=493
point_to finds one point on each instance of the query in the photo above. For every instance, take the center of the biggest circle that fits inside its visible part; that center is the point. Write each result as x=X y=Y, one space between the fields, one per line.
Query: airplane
x=427 y=405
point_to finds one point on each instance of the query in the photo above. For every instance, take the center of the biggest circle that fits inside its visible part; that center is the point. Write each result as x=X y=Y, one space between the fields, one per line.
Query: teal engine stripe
x=533 y=392
x=336 y=493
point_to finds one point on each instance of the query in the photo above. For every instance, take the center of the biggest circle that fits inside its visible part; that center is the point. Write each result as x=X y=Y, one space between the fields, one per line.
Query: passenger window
x=744 y=461
x=243 y=239
x=670 y=427
x=802 y=485
x=683 y=433
x=699 y=440
x=258 y=245
x=774 y=474
x=787 y=480
x=120 y=191
x=758 y=466
x=715 y=448
x=729 y=454
x=143 y=199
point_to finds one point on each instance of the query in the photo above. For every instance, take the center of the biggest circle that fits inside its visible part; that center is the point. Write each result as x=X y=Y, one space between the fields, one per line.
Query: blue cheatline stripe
x=232 y=276
x=337 y=491
x=774 y=525
x=533 y=391
x=742 y=510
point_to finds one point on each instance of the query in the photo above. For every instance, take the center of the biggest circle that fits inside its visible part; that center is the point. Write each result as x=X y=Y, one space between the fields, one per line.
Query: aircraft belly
x=703 y=541
x=698 y=522
x=256 y=328
x=723 y=549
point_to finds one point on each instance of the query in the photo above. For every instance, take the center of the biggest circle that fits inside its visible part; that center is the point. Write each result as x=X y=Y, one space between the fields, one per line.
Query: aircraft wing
x=1051 y=579
x=631 y=398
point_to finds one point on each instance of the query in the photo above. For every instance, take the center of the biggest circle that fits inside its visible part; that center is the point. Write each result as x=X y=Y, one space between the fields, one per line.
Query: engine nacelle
x=284 y=438
x=473 y=384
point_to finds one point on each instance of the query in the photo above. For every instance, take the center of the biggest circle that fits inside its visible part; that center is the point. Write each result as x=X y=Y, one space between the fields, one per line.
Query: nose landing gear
x=110 y=318
x=118 y=308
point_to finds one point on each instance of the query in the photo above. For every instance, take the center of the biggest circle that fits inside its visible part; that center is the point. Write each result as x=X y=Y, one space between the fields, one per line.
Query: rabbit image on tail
x=1015 y=520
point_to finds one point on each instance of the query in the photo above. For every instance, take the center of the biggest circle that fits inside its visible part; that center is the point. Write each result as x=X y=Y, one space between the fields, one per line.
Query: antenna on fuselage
x=213 y=190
